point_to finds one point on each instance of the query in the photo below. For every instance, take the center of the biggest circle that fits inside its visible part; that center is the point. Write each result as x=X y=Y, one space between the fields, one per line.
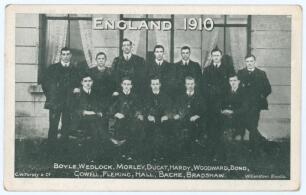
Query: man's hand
x=76 y=90
x=140 y=117
x=86 y=112
x=119 y=115
x=176 y=117
x=100 y=114
x=151 y=118
x=115 y=93
x=164 y=118
x=194 y=118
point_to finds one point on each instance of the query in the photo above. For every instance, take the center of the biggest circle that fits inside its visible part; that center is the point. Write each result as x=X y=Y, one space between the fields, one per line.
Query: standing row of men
x=175 y=104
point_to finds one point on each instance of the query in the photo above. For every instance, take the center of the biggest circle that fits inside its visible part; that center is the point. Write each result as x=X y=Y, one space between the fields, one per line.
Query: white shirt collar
x=87 y=90
x=185 y=62
x=65 y=64
x=155 y=93
x=126 y=92
x=190 y=93
x=234 y=90
x=128 y=56
x=251 y=69
x=159 y=62
x=217 y=64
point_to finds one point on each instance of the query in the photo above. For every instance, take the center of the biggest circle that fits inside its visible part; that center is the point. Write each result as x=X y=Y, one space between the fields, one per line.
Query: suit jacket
x=128 y=105
x=193 y=69
x=166 y=72
x=58 y=84
x=257 y=87
x=135 y=68
x=236 y=101
x=216 y=84
x=83 y=101
x=188 y=106
x=157 y=106
x=103 y=82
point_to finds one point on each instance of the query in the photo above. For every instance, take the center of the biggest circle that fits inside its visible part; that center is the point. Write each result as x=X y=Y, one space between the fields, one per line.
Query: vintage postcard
x=152 y=98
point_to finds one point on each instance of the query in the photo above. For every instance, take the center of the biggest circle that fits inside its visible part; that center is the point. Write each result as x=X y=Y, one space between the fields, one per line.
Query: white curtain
x=86 y=38
x=56 y=39
x=138 y=37
x=211 y=39
x=238 y=46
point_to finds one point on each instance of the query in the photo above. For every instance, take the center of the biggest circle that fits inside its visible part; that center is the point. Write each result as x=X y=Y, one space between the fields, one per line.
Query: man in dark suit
x=157 y=113
x=186 y=67
x=129 y=65
x=215 y=86
x=86 y=119
x=104 y=83
x=60 y=81
x=164 y=70
x=191 y=114
x=126 y=113
x=234 y=107
x=258 y=88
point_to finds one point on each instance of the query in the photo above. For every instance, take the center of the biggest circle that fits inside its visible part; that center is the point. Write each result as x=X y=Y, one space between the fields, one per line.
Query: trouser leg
x=54 y=117
x=66 y=120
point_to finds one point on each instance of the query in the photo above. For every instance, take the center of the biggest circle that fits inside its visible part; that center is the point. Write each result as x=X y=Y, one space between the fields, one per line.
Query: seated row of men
x=190 y=102
x=154 y=122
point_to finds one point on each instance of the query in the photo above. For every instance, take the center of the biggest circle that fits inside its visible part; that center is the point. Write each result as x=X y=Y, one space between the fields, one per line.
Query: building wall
x=270 y=43
x=31 y=118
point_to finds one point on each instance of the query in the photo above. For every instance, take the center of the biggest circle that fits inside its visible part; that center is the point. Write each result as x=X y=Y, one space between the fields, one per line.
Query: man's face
x=101 y=60
x=126 y=47
x=159 y=54
x=234 y=82
x=87 y=82
x=126 y=85
x=250 y=62
x=66 y=56
x=189 y=83
x=216 y=56
x=185 y=53
x=155 y=85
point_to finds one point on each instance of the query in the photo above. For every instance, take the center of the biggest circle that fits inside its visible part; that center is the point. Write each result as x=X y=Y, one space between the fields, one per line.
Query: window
x=60 y=30
x=231 y=34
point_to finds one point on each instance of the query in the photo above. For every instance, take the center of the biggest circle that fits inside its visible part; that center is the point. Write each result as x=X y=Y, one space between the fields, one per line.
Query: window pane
x=159 y=38
x=218 y=19
x=56 y=38
x=237 y=19
x=138 y=37
x=211 y=39
x=236 y=45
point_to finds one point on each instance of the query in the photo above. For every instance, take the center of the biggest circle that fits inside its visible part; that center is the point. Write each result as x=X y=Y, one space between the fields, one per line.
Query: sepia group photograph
x=149 y=97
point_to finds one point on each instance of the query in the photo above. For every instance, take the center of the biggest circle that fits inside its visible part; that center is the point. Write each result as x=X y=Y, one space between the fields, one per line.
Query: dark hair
x=101 y=53
x=189 y=78
x=65 y=49
x=216 y=49
x=155 y=78
x=233 y=75
x=159 y=46
x=125 y=78
x=185 y=47
x=125 y=39
x=84 y=75
x=250 y=56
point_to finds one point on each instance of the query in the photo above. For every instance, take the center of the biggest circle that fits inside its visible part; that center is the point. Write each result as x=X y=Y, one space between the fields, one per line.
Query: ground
x=273 y=162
